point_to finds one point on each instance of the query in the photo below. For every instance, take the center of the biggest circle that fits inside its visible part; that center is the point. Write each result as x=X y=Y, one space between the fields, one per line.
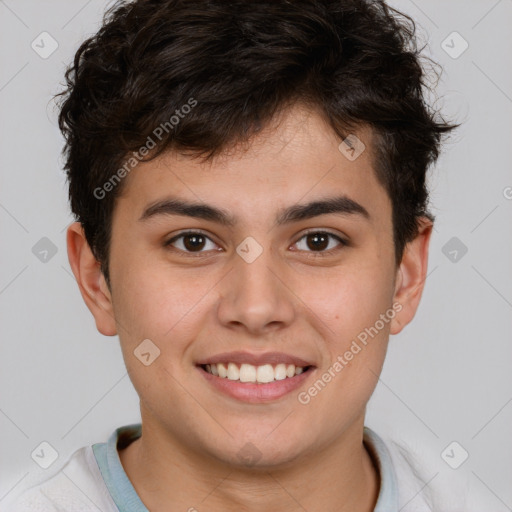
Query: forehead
x=296 y=159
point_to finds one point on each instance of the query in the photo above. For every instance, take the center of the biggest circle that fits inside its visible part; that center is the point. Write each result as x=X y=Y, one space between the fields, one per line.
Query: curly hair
x=241 y=62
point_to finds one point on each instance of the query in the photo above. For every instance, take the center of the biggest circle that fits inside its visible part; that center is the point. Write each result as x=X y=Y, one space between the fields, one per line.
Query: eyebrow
x=341 y=205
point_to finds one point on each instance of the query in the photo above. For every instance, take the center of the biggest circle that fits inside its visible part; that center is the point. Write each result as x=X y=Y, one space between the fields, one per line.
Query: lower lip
x=253 y=392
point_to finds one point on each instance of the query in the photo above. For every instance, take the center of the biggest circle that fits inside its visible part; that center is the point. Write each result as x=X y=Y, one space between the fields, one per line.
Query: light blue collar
x=116 y=480
x=387 y=500
x=127 y=500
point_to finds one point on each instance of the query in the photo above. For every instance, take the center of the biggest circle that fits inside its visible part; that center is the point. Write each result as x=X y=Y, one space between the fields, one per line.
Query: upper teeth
x=250 y=373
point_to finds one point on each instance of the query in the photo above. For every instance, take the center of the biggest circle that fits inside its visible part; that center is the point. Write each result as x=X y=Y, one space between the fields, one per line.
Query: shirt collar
x=387 y=500
x=127 y=500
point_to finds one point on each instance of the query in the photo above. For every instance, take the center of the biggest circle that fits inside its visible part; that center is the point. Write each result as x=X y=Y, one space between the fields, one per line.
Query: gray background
x=448 y=374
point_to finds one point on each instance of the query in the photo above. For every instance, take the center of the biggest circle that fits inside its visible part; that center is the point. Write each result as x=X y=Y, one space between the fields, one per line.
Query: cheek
x=349 y=310
x=349 y=301
x=149 y=298
x=163 y=304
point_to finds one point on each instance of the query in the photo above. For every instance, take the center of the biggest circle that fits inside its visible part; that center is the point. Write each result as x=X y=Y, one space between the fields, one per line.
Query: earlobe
x=411 y=276
x=90 y=279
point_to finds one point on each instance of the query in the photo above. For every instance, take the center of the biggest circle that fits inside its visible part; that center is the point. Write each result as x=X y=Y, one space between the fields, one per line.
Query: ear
x=411 y=276
x=90 y=279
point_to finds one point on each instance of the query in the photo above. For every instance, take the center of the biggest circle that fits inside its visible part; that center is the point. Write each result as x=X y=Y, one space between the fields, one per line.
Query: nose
x=255 y=297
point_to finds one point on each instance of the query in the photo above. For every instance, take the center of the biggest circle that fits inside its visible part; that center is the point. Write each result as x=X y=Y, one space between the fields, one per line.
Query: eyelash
x=313 y=254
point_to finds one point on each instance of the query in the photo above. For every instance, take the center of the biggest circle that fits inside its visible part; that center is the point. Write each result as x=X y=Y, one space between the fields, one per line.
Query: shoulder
x=426 y=482
x=77 y=486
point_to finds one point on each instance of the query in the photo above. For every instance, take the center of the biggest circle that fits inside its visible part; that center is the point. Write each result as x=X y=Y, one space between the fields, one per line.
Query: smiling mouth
x=251 y=374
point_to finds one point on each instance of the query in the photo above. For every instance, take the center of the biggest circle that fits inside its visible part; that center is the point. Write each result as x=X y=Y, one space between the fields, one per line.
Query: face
x=285 y=279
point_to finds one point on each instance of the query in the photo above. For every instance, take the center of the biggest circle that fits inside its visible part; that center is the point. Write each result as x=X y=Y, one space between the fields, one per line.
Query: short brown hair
x=242 y=61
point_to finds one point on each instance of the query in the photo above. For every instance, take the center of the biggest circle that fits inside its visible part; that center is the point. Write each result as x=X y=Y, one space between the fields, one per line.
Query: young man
x=248 y=179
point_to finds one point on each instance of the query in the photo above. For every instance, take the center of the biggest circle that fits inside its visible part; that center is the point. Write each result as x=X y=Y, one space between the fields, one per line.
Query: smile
x=263 y=374
x=255 y=378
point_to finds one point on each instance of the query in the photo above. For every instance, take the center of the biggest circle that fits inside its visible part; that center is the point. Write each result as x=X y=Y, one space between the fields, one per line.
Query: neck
x=339 y=477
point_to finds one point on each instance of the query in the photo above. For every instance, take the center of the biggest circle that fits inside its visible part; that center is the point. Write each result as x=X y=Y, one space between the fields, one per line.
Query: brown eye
x=319 y=241
x=191 y=241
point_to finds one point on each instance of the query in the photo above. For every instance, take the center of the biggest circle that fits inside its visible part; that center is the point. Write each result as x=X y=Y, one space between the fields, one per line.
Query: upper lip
x=241 y=357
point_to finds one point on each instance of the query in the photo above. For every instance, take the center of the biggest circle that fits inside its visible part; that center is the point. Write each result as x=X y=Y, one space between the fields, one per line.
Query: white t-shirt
x=93 y=479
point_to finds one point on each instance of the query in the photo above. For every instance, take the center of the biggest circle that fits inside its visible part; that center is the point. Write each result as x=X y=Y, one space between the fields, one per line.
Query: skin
x=287 y=300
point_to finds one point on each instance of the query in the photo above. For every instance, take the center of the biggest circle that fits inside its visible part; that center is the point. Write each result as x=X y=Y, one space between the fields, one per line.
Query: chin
x=263 y=454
